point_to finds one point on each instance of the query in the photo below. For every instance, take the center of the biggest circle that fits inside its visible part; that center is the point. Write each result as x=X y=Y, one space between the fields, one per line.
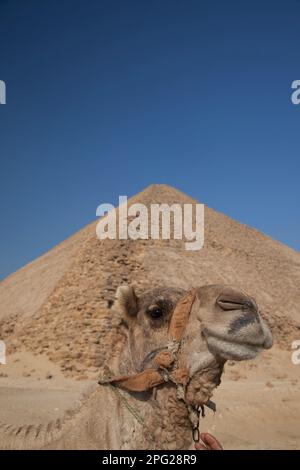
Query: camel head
x=224 y=323
x=176 y=345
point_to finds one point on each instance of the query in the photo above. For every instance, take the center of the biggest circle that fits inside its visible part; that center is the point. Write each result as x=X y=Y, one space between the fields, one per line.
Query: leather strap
x=139 y=382
x=181 y=315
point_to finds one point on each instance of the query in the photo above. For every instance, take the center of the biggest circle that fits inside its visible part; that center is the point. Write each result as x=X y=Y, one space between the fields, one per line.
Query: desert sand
x=52 y=310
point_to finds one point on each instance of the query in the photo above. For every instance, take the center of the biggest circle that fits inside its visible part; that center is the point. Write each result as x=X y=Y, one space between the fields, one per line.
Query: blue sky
x=107 y=97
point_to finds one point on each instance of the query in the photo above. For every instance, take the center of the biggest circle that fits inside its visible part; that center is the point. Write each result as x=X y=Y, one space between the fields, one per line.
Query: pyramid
x=59 y=303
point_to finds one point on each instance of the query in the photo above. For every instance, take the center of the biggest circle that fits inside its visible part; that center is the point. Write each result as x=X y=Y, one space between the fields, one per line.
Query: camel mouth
x=246 y=343
x=232 y=349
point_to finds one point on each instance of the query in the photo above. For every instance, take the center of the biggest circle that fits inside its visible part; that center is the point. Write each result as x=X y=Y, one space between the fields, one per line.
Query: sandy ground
x=258 y=402
x=33 y=390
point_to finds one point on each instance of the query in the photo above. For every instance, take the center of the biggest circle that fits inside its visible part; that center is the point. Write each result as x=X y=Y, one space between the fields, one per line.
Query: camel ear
x=126 y=301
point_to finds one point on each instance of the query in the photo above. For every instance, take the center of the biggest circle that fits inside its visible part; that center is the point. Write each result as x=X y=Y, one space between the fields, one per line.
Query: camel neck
x=159 y=419
x=148 y=423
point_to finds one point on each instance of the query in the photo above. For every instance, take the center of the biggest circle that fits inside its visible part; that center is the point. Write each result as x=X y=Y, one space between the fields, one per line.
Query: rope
x=130 y=408
x=139 y=418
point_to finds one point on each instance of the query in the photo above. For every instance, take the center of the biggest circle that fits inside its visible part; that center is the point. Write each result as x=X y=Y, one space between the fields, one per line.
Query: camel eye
x=155 y=312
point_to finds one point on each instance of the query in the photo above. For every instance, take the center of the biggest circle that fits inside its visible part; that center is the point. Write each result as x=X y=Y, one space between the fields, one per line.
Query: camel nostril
x=233 y=304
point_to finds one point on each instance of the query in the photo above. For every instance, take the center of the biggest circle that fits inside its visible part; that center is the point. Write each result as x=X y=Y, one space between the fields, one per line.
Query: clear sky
x=106 y=97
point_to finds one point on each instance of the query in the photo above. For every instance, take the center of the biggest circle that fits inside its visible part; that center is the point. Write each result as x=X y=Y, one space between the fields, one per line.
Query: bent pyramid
x=58 y=303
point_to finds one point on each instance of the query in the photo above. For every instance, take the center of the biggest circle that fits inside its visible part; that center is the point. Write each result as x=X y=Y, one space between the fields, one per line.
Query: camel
x=155 y=383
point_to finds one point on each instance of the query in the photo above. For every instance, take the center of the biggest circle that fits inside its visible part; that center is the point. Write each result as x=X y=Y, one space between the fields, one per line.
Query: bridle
x=166 y=368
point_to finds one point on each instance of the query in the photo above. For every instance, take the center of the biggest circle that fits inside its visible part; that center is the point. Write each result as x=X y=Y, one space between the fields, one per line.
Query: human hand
x=208 y=442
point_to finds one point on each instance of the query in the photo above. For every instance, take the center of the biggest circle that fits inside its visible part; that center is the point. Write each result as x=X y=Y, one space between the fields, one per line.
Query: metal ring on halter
x=196 y=435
